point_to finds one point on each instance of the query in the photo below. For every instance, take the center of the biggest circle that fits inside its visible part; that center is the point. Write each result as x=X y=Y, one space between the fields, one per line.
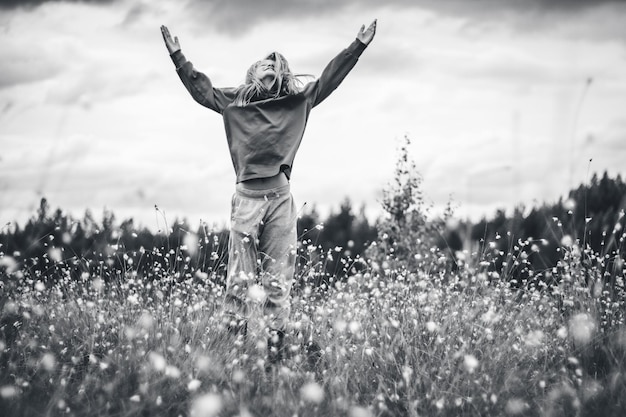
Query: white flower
x=582 y=328
x=470 y=363
x=157 y=361
x=534 y=338
x=9 y=263
x=567 y=241
x=194 y=384
x=311 y=392
x=55 y=254
x=515 y=406
x=256 y=293
x=8 y=391
x=354 y=327
x=208 y=405
x=360 y=412
x=48 y=362
x=172 y=371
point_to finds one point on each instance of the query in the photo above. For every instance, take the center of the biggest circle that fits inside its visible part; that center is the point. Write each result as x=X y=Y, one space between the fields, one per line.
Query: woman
x=264 y=120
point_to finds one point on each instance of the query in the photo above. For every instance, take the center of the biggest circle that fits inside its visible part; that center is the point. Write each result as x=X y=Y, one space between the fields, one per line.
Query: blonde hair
x=286 y=82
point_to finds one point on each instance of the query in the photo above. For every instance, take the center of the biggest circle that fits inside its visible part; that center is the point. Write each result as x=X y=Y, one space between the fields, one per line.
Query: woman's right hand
x=172 y=44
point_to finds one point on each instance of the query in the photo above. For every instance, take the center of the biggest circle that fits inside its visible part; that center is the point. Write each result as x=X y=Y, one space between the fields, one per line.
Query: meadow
x=407 y=329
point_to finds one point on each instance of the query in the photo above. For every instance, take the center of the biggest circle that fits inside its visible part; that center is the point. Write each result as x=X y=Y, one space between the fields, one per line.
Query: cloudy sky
x=506 y=102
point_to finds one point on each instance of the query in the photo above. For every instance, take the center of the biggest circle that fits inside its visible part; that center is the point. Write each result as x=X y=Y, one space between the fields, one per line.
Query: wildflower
x=157 y=361
x=407 y=372
x=490 y=316
x=515 y=406
x=135 y=398
x=582 y=328
x=256 y=293
x=340 y=325
x=172 y=372
x=191 y=242
x=359 y=412
x=97 y=283
x=573 y=361
x=193 y=385
x=239 y=376
x=207 y=405
x=562 y=401
x=61 y=404
x=534 y=338
x=146 y=321
x=440 y=403
x=55 y=254
x=470 y=363
x=8 y=391
x=9 y=263
x=597 y=288
x=354 y=327
x=567 y=241
x=311 y=392
x=431 y=326
x=591 y=389
x=203 y=363
x=48 y=362
x=130 y=332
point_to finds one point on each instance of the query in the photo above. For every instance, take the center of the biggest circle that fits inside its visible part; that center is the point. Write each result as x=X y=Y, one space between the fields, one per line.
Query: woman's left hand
x=172 y=45
x=366 y=35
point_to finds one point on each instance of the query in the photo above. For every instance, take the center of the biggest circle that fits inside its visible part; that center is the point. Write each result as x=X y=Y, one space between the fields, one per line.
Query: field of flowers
x=451 y=336
x=408 y=329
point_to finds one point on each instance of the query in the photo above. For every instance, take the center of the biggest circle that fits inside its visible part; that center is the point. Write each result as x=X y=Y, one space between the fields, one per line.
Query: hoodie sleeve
x=334 y=73
x=200 y=86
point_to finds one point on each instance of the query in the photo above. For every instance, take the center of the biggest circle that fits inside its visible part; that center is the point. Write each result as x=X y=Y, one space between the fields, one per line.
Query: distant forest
x=591 y=216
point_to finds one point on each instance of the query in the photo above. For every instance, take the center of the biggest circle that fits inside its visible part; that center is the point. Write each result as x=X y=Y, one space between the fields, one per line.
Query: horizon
x=160 y=218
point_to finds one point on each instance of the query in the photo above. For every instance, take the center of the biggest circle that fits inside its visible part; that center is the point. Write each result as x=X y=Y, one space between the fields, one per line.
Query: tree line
x=525 y=243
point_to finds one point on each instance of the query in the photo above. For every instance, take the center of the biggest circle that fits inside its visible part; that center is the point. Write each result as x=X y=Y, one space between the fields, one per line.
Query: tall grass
x=383 y=342
x=408 y=330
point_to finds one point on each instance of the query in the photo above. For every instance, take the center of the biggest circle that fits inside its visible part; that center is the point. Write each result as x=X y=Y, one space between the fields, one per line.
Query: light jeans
x=261 y=250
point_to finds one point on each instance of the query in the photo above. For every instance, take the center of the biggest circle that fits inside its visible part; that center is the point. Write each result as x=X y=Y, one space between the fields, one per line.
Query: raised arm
x=339 y=67
x=197 y=83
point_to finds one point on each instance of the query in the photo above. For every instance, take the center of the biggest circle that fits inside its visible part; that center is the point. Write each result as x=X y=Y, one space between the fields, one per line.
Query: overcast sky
x=505 y=102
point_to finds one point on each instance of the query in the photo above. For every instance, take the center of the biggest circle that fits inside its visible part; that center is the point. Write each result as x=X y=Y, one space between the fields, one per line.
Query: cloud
x=15 y=4
x=603 y=18
x=22 y=63
x=93 y=86
x=238 y=16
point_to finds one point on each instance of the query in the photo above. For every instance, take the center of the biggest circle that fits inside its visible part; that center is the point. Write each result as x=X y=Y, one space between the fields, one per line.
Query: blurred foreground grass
x=382 y=341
